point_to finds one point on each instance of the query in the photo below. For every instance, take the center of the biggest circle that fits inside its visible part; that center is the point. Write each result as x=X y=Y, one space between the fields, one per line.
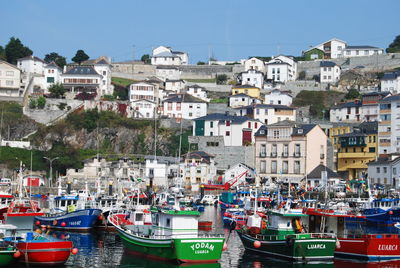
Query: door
x=246 y=137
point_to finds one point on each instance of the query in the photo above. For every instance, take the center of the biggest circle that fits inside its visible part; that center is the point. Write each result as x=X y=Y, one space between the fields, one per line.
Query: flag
x=348 y=189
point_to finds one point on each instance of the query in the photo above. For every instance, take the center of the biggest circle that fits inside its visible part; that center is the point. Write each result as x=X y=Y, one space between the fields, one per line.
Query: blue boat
x=69 y=213
x=230 y=200
x=384 y=211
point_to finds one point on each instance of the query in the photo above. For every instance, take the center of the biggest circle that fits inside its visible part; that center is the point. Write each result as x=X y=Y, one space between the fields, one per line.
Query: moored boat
x=173 y=235
x=284 y=237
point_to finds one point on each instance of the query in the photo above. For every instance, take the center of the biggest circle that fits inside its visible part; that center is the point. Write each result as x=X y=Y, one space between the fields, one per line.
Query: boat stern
x=199 y=250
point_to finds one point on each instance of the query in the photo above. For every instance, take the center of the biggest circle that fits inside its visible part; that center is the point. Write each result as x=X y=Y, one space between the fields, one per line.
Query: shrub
x=41 y=102
x=62 y=105
x=221 y=79
x=32 y=103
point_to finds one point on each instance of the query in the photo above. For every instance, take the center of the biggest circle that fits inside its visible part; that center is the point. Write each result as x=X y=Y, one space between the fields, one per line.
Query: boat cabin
x=67 y=203
x=284 y=222
x=5 y=199
x=175 y=223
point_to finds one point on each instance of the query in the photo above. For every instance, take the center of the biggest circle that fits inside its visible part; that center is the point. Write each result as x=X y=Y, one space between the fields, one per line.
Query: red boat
x=45 y=250
x=370 y=247
x=5 y=201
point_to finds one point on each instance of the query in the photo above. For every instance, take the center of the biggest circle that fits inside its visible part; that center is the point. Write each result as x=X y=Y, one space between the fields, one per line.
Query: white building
x=10 y=80
x=198 y=92
x=370 y=105
x=281 y=69
x=385 y=172
x=143 y=91
x=237 y=171
x=236 y=130
x=165 y=56
x=390 y=82
x=278 y=97
x=329 y=72
x=252 y=78
x=267 y=113
x=198 y=167
x=241 y=99
x=143 y=108
x=174 y=85
x=346 y=112
x=168 y=73
x=184 y=106
x=161 y=171
x=332 y=49
x=102 y=66
x=78 y=79
x=388 y=125
x=254 y=64
x=31 y=65
x=361 y=51
x=52 y=75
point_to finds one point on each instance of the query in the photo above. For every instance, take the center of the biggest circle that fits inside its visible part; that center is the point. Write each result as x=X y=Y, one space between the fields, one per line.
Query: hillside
x=319 y=101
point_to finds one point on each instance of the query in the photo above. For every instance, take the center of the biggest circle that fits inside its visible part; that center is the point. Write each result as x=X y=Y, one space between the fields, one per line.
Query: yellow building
x=356 y=149
x=246 y=89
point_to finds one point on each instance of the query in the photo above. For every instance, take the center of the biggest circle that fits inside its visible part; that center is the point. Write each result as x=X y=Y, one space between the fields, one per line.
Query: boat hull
x=79 y=220
x=45 y=253
x=370 y=248
x=6 y=256
x=296 y=250
x=187 y=250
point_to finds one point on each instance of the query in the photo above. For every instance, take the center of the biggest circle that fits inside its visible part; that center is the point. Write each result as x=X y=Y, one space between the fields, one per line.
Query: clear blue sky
x=231 y=30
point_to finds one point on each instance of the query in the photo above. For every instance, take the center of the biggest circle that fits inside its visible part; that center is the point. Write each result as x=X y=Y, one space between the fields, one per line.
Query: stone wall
x=225 y=156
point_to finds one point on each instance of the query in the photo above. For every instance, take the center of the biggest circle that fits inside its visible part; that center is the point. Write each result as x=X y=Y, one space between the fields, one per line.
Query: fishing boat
x=229 y=200
x=359 y=245
x=173 y=235
x=5 y=201
x=70 y=212
x=385 y=211
x=284 y=237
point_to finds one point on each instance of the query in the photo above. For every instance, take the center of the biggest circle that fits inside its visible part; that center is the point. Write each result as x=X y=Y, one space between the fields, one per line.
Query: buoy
x=37 y=223
x=226 y=214
x=38 y=231
x=225 y=247
x=63 y=224
x=62 y=236
x=17 y=254
x=100 y=217
x=391 y=212
x=54 y=222
x=257 y=264
x=74 y=251
x=257 y=244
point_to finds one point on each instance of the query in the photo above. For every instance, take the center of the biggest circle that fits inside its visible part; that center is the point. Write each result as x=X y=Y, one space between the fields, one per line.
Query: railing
x=263 y=154
x=274 y=154
x=297 y=154
x=285 y=154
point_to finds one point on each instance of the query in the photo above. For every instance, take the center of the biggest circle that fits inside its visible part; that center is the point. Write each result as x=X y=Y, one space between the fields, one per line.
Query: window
x=263 y=150
x=227 y=133
x=263 y=166
x=285 y=150
x=297 y=150
x=384 y=169
x=227 y=123
x=50 y=79
x=285 y=167
x=276 y=134
x=249 y=124
x=296 y=167
x=394 y=171
x=10 y=73
x=211 y=133
x=211 y=124
x=378 y=170
x=9 y=82
x=169 y=106
x=273 y=166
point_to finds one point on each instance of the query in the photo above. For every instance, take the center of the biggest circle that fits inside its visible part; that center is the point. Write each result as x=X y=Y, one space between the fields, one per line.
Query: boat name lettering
x=202 y=245
x=387 y=247
x=75 y=223
x=316 y=246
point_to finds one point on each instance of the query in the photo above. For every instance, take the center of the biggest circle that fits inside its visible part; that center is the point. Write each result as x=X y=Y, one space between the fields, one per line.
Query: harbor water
x=103 y=248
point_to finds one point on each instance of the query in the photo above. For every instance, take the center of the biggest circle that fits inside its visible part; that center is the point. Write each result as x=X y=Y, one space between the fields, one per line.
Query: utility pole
x=51 y=169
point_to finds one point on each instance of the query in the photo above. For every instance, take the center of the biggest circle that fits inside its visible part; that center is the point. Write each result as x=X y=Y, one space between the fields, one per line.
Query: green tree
x=2 y=53
x=57 y=90
x=394 y=47
x=352 y=94
x=41 y=102
x=32 y=103
x=201 y=63
x=146 y=59
x=15 y=50
x=80 y=56
x=53 y=56
x=221 y=79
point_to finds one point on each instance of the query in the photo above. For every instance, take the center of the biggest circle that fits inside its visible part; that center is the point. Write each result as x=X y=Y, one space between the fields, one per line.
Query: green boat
x=7 y=249
x=172 y=235
x=281 y=235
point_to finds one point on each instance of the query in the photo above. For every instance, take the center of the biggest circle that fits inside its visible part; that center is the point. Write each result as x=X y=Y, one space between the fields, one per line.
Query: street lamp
x=51 y=168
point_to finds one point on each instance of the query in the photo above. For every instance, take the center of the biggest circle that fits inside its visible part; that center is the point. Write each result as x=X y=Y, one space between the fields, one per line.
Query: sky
x=224 y=29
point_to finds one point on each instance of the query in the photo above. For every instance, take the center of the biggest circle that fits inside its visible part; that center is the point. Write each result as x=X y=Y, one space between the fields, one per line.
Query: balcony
x=296 y=154
x=263 y=154
x=296 y=171
x=322 y=156
x=285 y=154
x=386 y=144
x=285 y=171
x=274 y=154
x=385 y=122
x=357 y=155
x=384 y=133
x=385 y=111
